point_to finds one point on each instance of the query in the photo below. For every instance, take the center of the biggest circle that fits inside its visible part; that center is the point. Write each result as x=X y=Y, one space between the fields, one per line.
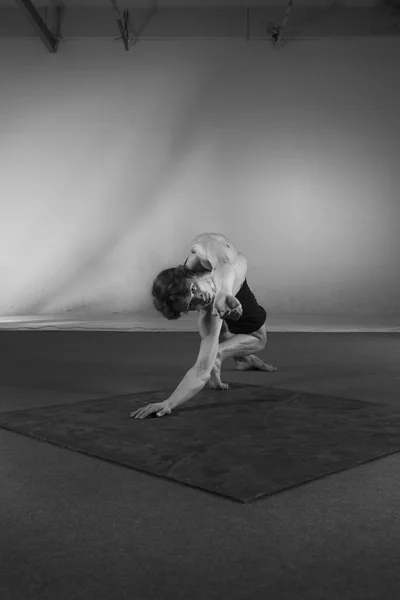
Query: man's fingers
x=145 y=411
x=234 y=315
x=140 y=413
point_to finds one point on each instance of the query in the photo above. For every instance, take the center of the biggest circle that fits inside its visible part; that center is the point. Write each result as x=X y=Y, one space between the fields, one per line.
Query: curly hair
x=171 y=291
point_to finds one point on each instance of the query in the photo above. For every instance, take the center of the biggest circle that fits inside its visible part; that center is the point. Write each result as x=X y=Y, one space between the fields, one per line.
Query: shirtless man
x=213 y=282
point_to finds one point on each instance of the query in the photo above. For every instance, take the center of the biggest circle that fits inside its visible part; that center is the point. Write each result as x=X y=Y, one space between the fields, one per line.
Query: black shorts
x=254 y=315
x=247 y=325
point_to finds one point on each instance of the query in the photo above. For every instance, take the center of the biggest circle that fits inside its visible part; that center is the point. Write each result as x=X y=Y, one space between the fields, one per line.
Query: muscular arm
x=191 y=384
x=214 y=252
x=209 y=249
x=189 y=387
x=224 y=276
x=196 y=378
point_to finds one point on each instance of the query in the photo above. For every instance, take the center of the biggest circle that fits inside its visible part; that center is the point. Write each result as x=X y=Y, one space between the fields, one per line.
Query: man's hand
x=228 y=307
x=161 y=408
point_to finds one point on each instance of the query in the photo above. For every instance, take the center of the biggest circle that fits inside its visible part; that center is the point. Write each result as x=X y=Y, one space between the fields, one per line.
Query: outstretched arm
x=195 y=379
x=188 y=388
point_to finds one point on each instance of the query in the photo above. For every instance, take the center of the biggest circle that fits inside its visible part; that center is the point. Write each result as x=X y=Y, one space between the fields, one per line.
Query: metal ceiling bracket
x=129 y=34
x=49 y=39
x=123 y=29
x=276 y=31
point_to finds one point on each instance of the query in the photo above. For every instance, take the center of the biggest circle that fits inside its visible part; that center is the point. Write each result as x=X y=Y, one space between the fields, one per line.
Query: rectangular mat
x=245 y=443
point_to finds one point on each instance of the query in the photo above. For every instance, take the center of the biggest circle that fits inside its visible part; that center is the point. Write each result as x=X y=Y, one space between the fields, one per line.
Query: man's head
x=178 y=290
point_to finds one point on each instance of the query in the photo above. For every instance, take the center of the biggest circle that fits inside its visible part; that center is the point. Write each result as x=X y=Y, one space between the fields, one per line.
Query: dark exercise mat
x=244 y=443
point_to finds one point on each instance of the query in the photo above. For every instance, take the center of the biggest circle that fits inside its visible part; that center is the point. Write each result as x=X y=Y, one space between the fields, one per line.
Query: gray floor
x=74 y=527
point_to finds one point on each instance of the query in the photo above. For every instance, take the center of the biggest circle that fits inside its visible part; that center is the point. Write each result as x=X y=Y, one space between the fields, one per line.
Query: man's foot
x=218 y=385
x=253 y=363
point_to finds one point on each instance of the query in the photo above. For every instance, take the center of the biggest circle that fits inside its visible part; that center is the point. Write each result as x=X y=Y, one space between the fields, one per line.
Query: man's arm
x=224 y=276
x=217 y=253
x=223 y=271
x=188 y=388
x=197 y=377
x=210 y=249
x=191 y=384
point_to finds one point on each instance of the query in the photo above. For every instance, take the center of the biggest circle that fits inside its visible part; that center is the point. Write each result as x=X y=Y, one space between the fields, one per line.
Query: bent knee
x=262 y=344
x=261 y=337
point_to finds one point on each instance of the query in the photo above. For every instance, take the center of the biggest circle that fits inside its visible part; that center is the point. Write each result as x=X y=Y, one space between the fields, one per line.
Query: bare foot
x=253 y=363
x=218 y=385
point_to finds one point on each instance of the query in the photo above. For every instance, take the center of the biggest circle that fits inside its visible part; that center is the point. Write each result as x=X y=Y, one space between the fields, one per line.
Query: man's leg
x=244 y=363
x=240 y=347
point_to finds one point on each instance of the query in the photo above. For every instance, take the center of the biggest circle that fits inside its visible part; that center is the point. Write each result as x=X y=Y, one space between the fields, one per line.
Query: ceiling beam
x=38 y=24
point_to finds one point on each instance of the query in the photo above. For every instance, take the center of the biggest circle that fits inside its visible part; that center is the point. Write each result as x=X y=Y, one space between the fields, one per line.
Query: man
x=213 y=282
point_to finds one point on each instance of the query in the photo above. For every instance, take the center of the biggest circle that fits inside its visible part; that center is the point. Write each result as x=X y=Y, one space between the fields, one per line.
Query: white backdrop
x=111 y=162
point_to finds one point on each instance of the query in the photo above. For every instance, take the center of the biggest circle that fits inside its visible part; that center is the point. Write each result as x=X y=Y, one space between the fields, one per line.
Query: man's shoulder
x=213 y=238
x=214 y=248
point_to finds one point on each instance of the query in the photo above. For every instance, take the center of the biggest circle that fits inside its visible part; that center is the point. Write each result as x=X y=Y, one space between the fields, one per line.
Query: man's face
x=202 y=294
